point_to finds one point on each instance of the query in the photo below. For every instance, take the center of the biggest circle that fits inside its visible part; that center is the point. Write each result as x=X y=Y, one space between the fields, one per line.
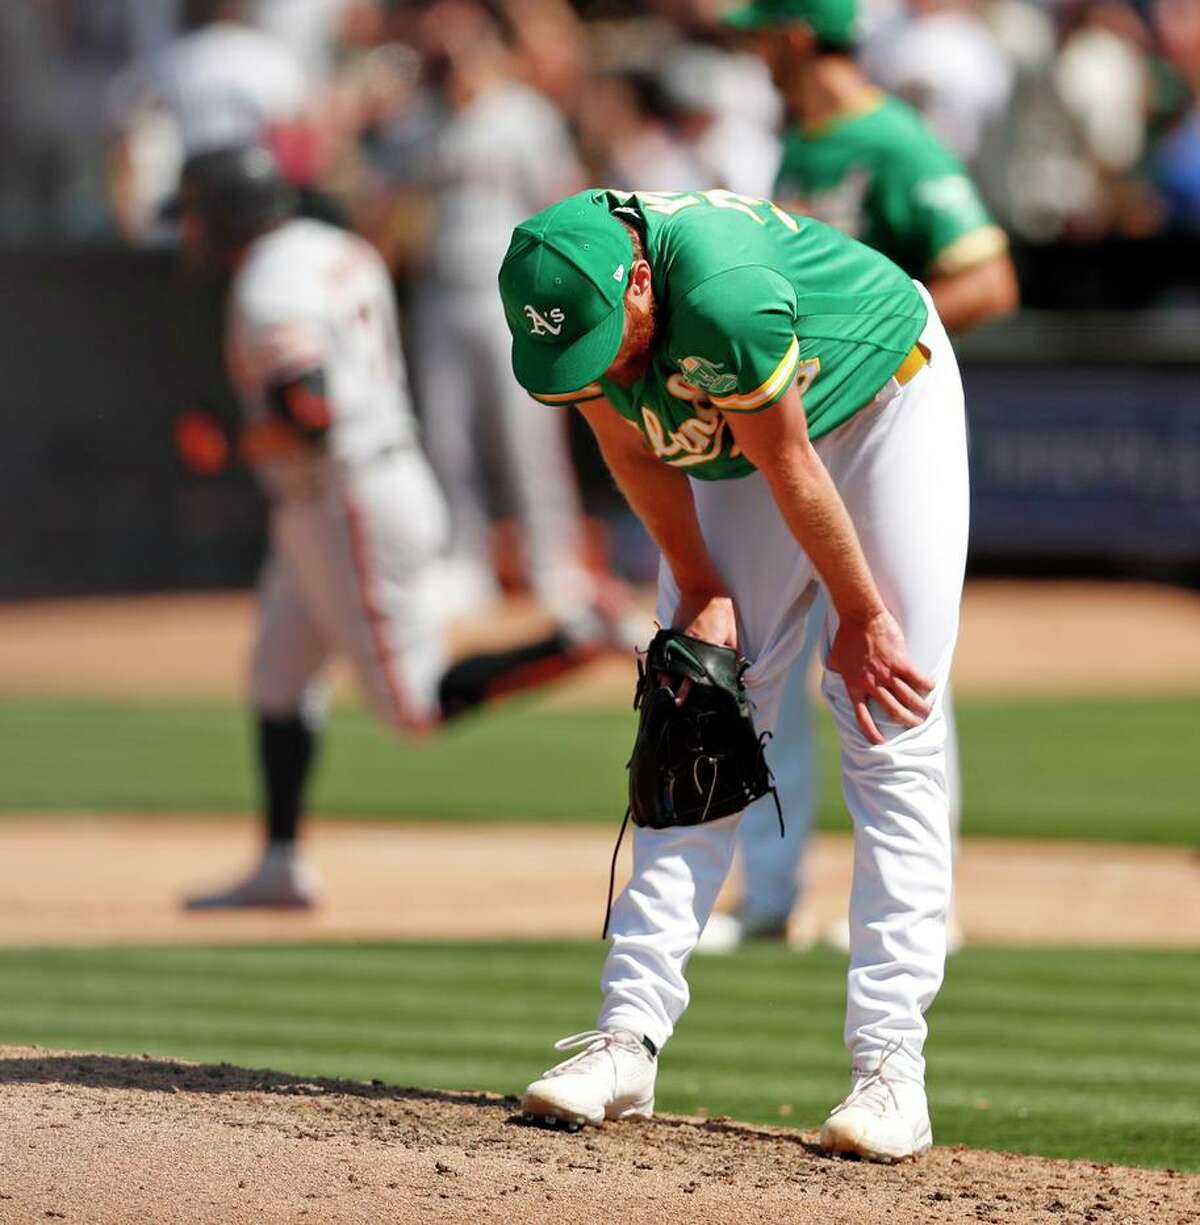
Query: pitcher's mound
x=101 y=1138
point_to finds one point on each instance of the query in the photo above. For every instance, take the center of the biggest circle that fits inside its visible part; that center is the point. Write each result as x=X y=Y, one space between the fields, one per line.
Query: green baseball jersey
x=753 y=300
x=881 y=176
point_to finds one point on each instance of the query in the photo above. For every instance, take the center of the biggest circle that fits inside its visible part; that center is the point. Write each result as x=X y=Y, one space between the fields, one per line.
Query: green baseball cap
x=832 y=21
x=563 y=286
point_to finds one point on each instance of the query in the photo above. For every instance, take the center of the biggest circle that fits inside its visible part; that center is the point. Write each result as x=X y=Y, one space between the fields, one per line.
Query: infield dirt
x=180 y=1142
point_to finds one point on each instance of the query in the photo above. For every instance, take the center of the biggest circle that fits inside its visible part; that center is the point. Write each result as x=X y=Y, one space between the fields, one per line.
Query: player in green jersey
x=867 y=164
x=865 y=328
x=782 y=409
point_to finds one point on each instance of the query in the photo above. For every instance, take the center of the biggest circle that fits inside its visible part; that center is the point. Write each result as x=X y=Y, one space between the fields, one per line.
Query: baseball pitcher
x=782 y=409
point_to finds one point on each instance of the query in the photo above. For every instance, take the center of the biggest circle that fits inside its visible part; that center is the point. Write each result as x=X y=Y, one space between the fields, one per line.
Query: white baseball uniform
x=755 y=304
x=357 y=527
x=900 y=466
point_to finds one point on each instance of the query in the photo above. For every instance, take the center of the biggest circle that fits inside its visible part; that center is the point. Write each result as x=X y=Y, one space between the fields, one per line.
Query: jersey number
x=668 y=203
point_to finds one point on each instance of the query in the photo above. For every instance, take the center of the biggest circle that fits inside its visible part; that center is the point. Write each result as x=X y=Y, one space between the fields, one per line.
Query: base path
x=126 y=1139
x=110 y=879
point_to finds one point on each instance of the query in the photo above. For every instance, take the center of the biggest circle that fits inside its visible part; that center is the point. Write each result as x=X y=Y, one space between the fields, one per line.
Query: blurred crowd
x=435 y=126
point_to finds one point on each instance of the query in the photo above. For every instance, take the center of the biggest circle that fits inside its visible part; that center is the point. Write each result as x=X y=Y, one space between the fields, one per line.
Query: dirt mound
x=100 y=1138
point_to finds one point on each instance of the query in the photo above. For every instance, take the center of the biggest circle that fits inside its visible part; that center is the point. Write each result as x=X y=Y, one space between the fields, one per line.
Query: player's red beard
x=637 y=348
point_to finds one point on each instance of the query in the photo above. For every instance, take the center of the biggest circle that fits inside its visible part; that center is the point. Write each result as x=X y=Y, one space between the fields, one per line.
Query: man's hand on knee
x=872 y=659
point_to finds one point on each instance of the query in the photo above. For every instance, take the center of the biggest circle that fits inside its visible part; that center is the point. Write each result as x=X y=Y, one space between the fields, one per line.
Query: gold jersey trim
x=592 y=391
x=970 y=250
x=769 y=390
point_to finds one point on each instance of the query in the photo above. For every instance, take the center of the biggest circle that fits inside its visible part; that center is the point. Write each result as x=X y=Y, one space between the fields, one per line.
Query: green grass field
x=1114 y=769
x=1074 y=1054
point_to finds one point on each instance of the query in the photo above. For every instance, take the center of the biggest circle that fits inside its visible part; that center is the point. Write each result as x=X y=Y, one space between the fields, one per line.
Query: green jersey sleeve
x=928 y=200
x=734 y=338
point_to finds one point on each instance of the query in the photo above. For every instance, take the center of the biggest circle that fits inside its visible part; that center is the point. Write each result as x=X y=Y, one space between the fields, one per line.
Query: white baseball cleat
x=282 y=881
x=724 y=932
x=885 y=1118
x=612 y=1077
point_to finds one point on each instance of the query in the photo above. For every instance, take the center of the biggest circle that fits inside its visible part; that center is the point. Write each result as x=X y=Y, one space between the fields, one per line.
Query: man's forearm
x=776 y=442
x=814 y=510
x=659 y=495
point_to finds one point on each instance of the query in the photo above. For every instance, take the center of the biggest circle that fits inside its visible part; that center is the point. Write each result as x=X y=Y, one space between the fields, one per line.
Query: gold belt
x=911 y=366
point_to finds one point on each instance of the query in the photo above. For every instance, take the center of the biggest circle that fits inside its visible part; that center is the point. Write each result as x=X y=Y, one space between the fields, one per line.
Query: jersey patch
x=708 y=376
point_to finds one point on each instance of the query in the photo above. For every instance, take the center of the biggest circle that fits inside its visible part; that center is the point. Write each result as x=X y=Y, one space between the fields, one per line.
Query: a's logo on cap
x=540 y=325
x=619 y=275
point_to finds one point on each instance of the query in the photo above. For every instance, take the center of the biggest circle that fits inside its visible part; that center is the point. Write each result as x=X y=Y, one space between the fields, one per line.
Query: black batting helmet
x=236 y=192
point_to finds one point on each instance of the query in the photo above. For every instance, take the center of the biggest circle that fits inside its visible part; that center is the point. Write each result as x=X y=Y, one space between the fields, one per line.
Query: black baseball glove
x=701 y=759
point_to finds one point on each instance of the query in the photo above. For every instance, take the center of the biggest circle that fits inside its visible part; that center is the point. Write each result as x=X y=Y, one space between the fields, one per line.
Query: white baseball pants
x=353 y=571
x=772 y=866
x=901 y=469
x=774 y=873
